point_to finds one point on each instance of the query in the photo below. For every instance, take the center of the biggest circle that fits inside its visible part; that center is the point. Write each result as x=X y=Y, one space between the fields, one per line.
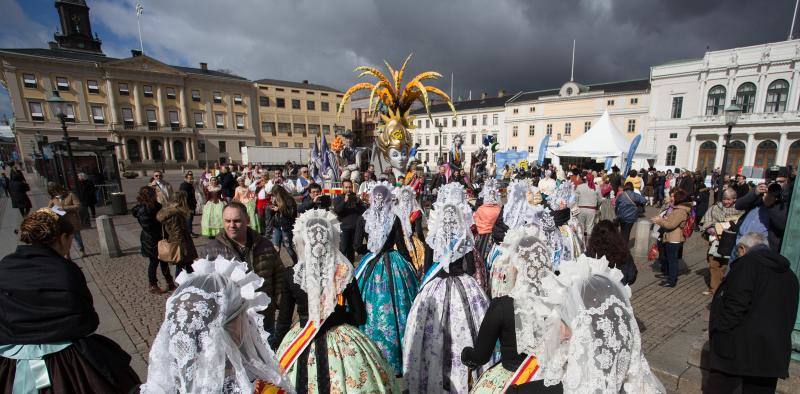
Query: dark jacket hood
x=763 y=255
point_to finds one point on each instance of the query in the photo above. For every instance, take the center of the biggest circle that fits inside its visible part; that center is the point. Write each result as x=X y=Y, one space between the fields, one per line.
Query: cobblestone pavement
x=123 y=283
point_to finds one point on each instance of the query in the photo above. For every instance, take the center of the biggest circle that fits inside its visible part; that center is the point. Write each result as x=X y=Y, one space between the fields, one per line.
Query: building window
x=217 y=97
x=37 y=112
x=173 y=120
x=515 y=111
x=444 y=140
x=672 y=154
x=198 y=120
x=587 y=126
x=514 y=131
x=223 y=147
x=473 y=137
x=242 y=144
x=532 y=109
x=514 y=148
x=419 y=123
x=427 y=123
x=123 y=89
x=69 y=113
x=268 y=143
x=716 y=100
x=549 y=130
x=444 y=122
x=295 y=104
x=436 y=140
x=280 y=102
x=531 y=130
x=610 y=103
x=299 y=128
x=746 y=97
x=673 y=136
x=29 y=80
x=313 y=129
x=152 y=122
x=195 y=95
x=97 y=114
x=147 y=90
x=268 y=128
x=310 y=105
x=427 y=140
x=634 y=101
x=201 y=146
x=171 y=93
x=298 y=144
x=677 y=107
x=295 y=91
x=219 y=120
x=631 y=125
x=325 y=106
x=568 y=129
x=485 y=120
x=62 y=84
x=326 y=129
x=495 y=119
x=237 y=99
x=463 y=121
x=240 y=121
x=337 y=130
x=777 y=93
x=92 y=87
x=263 y=101
x=474 y=120
x=127 y=118
x=530 y=149
x=285 y=128
x=279 y=89
x=283 y=144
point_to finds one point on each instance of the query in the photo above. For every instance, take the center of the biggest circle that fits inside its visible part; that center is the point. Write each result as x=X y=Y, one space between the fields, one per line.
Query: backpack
x=688 y=228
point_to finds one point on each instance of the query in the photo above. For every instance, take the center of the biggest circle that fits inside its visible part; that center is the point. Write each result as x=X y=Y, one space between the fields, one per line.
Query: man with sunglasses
x=767 y=207
x=162 y=187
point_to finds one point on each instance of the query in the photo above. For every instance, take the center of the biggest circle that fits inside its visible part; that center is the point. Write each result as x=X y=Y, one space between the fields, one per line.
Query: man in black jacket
x=348 y=208
x=774 y=201
x=227 y=182
x=751 y=321
x=87 y=195
x=187 y=186
x=315 y=199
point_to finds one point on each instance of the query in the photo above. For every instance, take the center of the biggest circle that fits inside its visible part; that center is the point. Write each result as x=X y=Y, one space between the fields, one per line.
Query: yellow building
x=568 y=112
x=293 y=113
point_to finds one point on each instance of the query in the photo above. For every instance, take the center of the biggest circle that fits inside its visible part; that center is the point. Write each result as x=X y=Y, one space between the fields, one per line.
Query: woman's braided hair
x=43 y=227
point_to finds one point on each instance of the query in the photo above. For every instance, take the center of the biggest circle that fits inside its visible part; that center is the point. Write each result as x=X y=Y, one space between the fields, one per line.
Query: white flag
x=139 y=9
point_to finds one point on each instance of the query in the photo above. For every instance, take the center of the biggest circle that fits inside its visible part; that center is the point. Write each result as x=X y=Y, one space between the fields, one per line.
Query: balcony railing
x=751 y=118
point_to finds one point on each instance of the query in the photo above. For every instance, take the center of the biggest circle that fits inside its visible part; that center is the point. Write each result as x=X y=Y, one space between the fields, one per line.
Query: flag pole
x=139 y=10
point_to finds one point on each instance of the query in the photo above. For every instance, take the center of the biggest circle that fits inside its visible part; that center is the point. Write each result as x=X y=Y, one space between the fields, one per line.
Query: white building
x=474 y=120
x=687 y=123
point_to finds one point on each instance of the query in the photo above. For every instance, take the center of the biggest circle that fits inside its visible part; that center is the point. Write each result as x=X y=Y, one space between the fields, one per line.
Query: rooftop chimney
x=204 y=66
x=136 y=52
x=483 y=95
x=305 y=82
x=501 y=93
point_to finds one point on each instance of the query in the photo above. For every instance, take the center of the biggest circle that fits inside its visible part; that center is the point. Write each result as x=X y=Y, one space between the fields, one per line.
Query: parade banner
x=631 y=152
x=543 y=149
x=508 y=157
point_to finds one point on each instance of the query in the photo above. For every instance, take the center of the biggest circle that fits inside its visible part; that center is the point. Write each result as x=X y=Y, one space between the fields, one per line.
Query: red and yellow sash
x=301 y=342
x=527 y=372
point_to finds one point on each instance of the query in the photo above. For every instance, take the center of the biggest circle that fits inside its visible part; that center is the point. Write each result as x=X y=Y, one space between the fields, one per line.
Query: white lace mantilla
x=379 y=217
x=449 y=234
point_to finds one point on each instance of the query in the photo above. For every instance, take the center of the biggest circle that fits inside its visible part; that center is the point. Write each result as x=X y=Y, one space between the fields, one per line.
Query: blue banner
x=543 y=149
x=508 y=157
x=631 y=152
x=609 y=163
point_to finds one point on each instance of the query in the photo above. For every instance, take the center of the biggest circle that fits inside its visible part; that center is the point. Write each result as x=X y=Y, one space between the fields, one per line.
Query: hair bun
x=43 y=227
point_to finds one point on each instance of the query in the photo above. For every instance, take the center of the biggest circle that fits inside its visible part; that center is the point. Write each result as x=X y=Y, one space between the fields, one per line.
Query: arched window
x=179 y=151
x=746 y=97
x=766 y=152
x=716 y=100
x=706 y=155
x=157 y=150
x=672 y=154
x=794 y=154
x=777 y=93
x=736 y=151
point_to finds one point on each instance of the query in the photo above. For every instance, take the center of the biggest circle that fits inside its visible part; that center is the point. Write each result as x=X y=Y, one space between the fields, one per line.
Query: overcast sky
x=486 y=44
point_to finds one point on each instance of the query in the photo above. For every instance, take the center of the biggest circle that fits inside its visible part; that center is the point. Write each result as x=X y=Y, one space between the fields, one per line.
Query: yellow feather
x=436 y=91
x=402 y=71
x=376 y=73
x=424 y=92
x=353 y=89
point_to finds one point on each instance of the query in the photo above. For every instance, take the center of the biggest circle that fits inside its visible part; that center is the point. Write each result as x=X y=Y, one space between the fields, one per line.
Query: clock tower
x=76 y=29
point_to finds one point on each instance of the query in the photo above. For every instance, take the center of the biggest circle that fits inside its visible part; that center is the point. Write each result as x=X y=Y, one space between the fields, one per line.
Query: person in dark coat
x=315 y=199
x=48 y=316
x=173 y=217
x=18 y=188
x=4 y=181
x=187 y=186
x=348 y=208
x=752 y=316
x=145 y=211
x=228 y=183
x=87 y=195
x=606 y=241
x=774 y=201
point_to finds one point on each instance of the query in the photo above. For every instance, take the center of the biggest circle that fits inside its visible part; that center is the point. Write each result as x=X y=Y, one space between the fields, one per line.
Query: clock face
x=76 y=23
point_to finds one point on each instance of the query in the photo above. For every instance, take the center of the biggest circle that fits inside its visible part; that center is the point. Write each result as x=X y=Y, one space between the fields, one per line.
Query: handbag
x=169 y=252
x=726 y=243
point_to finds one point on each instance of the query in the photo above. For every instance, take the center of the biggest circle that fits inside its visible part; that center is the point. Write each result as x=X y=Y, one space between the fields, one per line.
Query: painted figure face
x=457 y=141
x=397 y=158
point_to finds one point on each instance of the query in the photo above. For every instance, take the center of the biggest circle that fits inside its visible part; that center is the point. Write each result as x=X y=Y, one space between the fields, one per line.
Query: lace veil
x=379 y=217
x=490 y=193
x=406 y=203
x=517 y=206
x=322 y=271
x=212 y=339
x=449 y=233
x=604 y=352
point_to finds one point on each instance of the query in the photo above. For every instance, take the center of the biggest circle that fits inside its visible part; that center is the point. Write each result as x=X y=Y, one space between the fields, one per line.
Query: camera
x=772 y=173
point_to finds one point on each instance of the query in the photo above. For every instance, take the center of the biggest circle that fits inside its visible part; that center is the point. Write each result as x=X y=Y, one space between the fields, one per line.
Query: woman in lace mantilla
x=323 y=290
x=485 y=217
x=517 y=320
x=446 y=314
x=412 y=219
x=386 y=278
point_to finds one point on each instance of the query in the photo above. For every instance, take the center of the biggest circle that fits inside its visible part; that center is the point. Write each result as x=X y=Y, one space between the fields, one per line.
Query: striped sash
x=528 y=371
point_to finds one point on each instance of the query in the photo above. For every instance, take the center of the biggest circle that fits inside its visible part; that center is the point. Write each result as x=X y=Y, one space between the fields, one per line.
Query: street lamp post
x=58 y=108
x=441 y=159
x=732 y=113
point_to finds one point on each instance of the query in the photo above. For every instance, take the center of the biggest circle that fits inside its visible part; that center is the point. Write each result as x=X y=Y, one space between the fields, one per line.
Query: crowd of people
x=417 y=283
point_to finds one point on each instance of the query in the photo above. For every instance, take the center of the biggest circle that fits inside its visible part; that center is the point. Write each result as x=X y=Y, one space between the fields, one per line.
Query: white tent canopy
x=602 y=140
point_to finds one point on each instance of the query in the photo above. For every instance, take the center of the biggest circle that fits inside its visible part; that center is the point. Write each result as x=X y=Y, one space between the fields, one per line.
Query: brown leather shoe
x=154 y=289
x=170 y=286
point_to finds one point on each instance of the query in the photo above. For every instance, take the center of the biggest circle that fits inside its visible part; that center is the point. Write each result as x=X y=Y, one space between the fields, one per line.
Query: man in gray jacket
x=588 y=201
